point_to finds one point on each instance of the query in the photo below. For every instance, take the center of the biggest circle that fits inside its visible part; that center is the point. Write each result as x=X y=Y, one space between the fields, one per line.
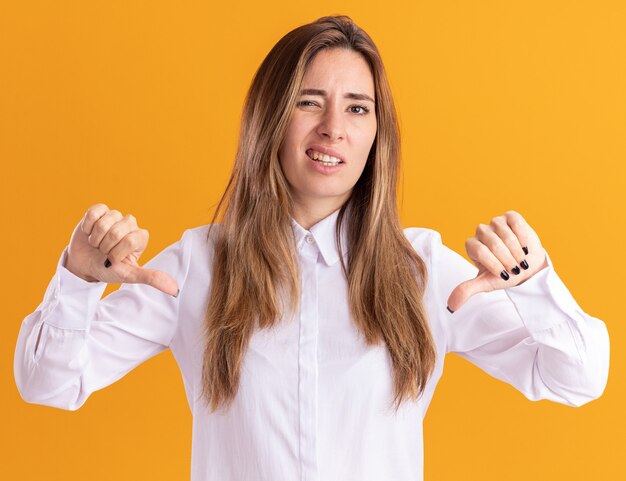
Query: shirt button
x=309 y=239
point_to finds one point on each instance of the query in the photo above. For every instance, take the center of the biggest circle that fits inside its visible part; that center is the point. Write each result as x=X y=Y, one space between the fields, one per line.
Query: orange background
x=503 y=105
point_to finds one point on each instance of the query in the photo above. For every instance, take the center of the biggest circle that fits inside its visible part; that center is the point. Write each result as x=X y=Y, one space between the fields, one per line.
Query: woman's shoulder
x=422 y=239
x=197 y=240
x=420 y=233
x=201 y=233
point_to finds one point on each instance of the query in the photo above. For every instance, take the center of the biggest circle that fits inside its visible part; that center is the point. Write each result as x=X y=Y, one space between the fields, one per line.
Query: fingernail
x=178 y=292
x=524 y=264
x=107 y=263
x=525 y=249
x=515 y=270
x=451 y=311
x=504 y=275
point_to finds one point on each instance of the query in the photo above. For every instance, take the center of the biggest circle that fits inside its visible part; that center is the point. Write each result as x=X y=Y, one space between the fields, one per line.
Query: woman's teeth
x=324 y=159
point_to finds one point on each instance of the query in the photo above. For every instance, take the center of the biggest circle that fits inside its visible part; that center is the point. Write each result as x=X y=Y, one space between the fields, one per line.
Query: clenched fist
x=499 y=250
x=105 y=246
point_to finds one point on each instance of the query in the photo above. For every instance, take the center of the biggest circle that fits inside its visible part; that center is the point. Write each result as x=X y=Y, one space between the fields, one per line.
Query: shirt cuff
x=70 y=301
x=543 y=301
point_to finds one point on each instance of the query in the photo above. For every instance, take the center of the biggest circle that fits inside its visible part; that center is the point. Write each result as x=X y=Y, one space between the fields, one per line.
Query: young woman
x=309 y=327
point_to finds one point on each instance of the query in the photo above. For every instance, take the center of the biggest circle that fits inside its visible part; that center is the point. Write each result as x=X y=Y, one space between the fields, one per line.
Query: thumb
x=467 y=289
x=153 y=277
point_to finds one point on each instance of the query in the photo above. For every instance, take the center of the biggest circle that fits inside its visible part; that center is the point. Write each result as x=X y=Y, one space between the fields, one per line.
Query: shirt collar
x=324 y=235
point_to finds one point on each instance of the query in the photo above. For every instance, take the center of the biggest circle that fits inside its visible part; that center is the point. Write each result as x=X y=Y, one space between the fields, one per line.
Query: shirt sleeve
x=75 y=343
x=533 y=336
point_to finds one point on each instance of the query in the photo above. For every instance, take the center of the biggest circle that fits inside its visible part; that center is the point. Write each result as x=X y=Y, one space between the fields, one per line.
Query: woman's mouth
x=324 y=159
x=324 y=163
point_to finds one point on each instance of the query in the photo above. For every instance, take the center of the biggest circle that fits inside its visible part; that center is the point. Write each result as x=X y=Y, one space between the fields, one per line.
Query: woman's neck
x=308 y=216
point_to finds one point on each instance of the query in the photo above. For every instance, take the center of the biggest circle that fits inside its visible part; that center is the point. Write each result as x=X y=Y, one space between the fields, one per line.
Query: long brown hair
x=256 y=268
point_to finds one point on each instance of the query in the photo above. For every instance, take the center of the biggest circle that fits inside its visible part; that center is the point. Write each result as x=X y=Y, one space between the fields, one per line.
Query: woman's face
x=335 y=114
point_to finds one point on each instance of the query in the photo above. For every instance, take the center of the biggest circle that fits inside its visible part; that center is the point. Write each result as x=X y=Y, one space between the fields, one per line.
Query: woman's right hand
x=105 y=234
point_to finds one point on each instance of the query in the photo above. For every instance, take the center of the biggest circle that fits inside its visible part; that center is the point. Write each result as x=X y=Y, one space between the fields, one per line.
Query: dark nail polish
x=107 y=263
x=178 y=292
x=451 y=311
x=515 y=270
x=504 y=275
x=525 y=249
x=524 y=264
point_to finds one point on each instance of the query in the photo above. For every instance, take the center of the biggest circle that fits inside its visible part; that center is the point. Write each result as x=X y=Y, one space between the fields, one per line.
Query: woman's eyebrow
x=349 y=95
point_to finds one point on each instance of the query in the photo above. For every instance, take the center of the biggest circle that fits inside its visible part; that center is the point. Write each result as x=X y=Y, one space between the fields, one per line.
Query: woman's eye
x=363 y=108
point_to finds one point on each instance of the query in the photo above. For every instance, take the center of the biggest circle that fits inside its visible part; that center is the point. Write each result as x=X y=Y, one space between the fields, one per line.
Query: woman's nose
x=332 y=124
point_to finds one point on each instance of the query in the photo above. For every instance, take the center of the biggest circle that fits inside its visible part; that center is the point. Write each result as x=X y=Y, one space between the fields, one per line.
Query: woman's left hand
x=507 y=252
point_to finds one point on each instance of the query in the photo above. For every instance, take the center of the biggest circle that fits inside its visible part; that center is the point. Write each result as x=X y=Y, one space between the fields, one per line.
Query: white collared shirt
x=314 y=401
